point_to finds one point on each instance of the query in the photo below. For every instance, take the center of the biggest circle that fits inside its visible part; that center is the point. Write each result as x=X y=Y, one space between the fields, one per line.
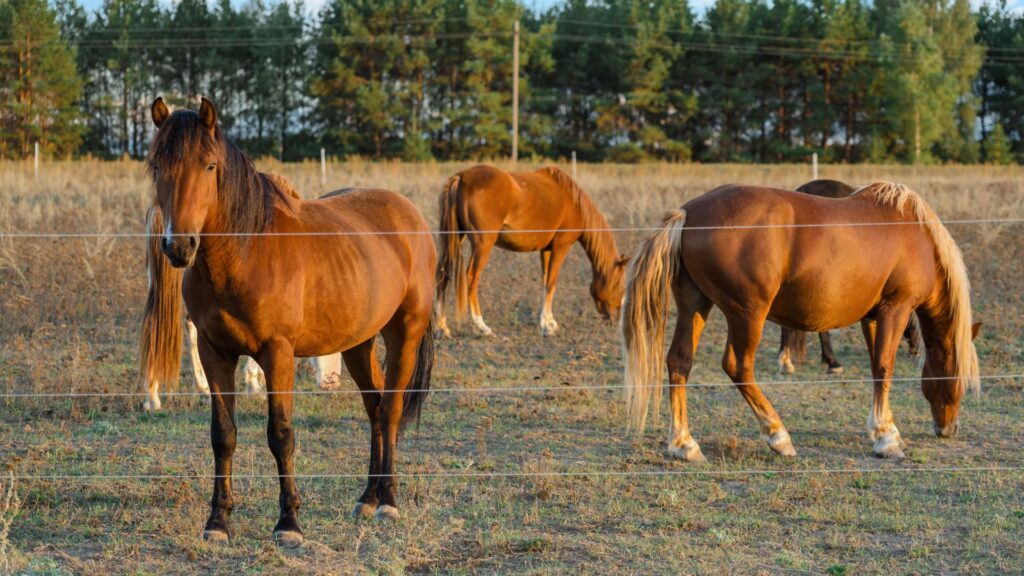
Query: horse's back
x=827 y=188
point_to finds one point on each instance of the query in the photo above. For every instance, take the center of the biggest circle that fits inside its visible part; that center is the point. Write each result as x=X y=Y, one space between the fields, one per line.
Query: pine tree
x=40 y=82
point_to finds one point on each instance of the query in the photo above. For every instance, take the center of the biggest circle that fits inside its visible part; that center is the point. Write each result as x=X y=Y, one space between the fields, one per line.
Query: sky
x=698 y=6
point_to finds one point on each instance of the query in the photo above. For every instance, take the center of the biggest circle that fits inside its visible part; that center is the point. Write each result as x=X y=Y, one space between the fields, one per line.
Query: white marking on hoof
x=780 y=442
x=386 y=512
x=548 y=326
x=442 y=329
x=363 y=510
x=288 y=538
x=328 y=371
x=215 y=536
x=687 y=450
x=481 y=328
x=835 y=370
x=888 y=446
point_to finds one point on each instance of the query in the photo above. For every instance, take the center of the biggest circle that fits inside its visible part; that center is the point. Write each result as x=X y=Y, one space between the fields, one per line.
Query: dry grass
x=69 y=309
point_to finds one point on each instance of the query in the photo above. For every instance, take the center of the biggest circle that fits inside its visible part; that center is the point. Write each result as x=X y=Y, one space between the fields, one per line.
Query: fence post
x=515 y=92
x=37 y=161
x=573 y=164
x=814 y=166
x=323 y=168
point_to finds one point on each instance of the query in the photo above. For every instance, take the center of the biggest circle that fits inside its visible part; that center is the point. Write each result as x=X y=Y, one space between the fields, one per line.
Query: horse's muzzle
x=180 y=250
x=948 y=431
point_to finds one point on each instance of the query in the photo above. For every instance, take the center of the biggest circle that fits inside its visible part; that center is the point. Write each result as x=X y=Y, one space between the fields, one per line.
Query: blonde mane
x=951 y=263
x=597 y=240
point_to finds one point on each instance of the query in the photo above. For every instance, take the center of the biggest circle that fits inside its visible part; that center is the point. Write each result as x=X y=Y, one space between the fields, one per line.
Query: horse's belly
x=524 y=241
x=816 y=307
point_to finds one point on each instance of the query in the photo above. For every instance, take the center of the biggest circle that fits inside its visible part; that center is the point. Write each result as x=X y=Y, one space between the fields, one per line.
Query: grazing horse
x=541 y=211
x=273 y=277
x=794 y=342
x=765 y=254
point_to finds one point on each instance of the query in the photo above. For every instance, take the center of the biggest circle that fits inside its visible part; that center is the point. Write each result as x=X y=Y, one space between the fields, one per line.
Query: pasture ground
x=68 y=317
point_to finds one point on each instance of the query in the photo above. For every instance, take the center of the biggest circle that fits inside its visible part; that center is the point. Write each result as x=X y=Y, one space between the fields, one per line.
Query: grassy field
x=69 y=311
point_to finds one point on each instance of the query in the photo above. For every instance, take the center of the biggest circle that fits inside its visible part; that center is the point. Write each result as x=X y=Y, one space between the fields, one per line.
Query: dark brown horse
x=273 y=277
x=542 y=211
x=793 y=346
x=765 y=254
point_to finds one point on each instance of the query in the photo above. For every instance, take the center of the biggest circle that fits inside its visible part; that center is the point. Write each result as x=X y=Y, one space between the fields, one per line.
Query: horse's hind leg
x=828 y=356
x=694 y=308
x=362 y=364
x=738 y=363
x=913 y=336
x=481 y=245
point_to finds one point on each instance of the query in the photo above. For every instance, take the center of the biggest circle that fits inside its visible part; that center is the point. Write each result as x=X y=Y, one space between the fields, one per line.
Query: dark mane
x=247 y=197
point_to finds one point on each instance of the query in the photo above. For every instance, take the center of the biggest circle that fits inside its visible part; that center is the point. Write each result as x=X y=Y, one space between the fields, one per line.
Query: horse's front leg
x=278 y=362
x=551 y=262
x=888 y=330
x=220 y=371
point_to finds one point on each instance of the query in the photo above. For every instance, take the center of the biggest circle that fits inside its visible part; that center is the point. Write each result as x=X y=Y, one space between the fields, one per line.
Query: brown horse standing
x=794 y=342
x=274 y=277
x=541 y=211
x=762 y=253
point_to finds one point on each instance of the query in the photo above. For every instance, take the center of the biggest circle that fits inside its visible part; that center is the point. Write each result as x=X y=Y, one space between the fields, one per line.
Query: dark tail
x=160 y=341
x=416 y=393
x=449 y=266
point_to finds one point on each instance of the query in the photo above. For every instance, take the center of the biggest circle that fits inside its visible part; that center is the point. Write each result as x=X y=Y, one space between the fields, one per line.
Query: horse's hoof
x=835 y=370
x=689 y=452
x=781 y=443
x=363 y=510
x=888 y=447
x=387 y=512
x=151 y=405
x=786 y=367
x=215 y=536
x=288 y=538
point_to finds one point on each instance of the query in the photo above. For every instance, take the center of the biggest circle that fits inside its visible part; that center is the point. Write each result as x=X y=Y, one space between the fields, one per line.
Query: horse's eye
x=211 y=167
x=154 y=167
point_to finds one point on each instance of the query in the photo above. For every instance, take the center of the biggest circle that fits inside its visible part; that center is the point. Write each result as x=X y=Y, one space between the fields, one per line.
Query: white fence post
x=814 y=166
x=37 y=161
x=573 y=164
x=323 y=168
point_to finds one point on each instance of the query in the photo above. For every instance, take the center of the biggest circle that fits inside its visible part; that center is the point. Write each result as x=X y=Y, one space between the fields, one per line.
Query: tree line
x=611 y=80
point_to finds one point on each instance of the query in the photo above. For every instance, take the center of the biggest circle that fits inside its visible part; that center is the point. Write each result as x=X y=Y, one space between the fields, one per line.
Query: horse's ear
x=208 y=114
x=622 y=261
x=159 y=111
x=975 y=330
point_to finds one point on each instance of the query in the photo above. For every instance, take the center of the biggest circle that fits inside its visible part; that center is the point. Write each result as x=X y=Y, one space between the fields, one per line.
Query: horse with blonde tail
x=542 y=211
x=763 y=254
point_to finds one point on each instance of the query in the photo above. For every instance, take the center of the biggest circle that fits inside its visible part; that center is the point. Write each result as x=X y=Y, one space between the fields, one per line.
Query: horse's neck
x=597 y=241
x=220 y=257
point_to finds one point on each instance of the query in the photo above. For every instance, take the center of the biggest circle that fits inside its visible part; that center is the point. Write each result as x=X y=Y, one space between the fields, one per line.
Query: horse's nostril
x=193 y=241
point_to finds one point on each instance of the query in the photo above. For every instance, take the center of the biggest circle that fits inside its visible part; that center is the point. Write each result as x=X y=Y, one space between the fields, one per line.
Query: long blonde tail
x=160 y=340
x=449 y=266
x=644 y=312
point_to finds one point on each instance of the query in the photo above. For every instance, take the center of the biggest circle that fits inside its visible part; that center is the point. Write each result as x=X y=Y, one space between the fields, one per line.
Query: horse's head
x=607 y=289
x=183 y=162
x=942 y=386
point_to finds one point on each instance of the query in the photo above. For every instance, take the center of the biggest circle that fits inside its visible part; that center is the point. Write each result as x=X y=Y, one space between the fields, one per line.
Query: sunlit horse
x=542 y=211
x=793 y=345
x=273 y=277
x=764 y=254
